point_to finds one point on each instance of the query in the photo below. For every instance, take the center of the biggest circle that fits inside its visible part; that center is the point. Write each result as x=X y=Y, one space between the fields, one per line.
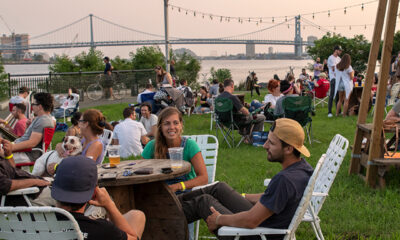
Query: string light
x=350 y=27
x=329 y=13
x=203 y=15
x=285 y=18
x=313 y=16
x=273 y=20
x=179 y=9
x=362 y=7
x=365 y=27
x=345 y=10
x=220 y=19
x=194 y=14
x=211 y=17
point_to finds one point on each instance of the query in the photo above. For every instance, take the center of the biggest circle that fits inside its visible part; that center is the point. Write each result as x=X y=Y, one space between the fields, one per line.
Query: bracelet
x=55 y=167
x=216 y=219
x=5 y=122
x=244 y=195
x=9 y=157
x=183 y=186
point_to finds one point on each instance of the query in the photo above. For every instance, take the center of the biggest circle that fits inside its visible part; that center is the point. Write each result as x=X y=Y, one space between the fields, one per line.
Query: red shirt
x=322 y=89
x=20 y=126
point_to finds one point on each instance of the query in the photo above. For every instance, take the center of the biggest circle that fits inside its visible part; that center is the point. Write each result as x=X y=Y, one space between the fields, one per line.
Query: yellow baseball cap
x=291 y=132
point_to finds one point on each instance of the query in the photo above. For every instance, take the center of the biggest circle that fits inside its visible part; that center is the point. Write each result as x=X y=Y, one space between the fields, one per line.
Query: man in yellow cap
x=220 y=205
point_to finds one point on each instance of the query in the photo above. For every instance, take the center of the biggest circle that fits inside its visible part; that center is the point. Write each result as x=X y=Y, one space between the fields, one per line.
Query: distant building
x=250 y=49
x=19 y=40
x=312 y=38
x=270 y=50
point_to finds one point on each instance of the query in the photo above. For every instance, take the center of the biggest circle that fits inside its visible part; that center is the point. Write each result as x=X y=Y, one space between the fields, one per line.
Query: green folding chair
x=299 y=109
x=225 y=121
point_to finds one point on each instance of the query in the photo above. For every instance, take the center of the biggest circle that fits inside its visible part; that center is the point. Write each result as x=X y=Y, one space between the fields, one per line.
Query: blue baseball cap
x=75 y=180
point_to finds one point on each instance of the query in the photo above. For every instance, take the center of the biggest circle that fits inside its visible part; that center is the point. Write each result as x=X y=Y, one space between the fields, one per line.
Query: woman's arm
x=201 y=172
x=169 y=78
x=94 y=151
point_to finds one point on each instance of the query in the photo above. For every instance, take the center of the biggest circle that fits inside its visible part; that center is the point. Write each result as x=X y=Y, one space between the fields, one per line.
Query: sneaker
x=330 y=115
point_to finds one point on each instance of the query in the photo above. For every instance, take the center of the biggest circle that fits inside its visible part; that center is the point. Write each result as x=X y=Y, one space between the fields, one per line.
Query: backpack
x=188 y=97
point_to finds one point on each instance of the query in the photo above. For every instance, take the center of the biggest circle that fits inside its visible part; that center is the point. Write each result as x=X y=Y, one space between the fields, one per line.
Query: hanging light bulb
x=285 y=18
x=203 y=15
x=186 y=12
x=288 y=26
x=194 y=14
x=313 y=16
x=334 y=28
x=220 y=19
x=362 y=7
x=211 y=17
x=329 y=13
x=304 y=27
x=179 y=9
x=350 y=27
x=345 y=10
x=172 y=8
x=260 y=20
x=249 y=19
x=273 y=20
x=365 y=27
x=257 y=23
x=239 y=19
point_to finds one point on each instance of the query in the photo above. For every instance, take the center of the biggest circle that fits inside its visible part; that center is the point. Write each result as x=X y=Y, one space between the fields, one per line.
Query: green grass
x=351 y=211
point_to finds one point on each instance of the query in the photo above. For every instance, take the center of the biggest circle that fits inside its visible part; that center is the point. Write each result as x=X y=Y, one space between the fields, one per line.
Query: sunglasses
x=272 y=127
x=35 y=104
x=80 y=120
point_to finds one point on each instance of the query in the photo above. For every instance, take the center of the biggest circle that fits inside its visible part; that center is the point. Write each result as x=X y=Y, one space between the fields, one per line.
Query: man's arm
x=25 y=183
x=247 y=219
x=102 y=199
x=32 y=142
x=244 y=111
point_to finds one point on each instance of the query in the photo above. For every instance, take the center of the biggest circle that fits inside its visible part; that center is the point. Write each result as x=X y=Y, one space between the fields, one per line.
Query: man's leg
x=222 y=197
x=136 y=220
x=44 y=198
x=331 y=94
x=259 y=123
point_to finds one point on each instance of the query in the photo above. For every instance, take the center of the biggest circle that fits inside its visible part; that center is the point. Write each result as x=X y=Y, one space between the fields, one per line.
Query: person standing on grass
x=333 y=60
x=220 y=205
x=318 y=68
x=108 y=79
x=344 y=83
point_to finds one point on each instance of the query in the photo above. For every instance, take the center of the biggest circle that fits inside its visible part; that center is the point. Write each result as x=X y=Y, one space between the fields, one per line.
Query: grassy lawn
x=351 y=211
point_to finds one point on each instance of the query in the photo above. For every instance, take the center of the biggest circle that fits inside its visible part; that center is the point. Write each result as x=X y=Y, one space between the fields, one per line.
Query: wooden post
x=366 y=94
x=375 y=150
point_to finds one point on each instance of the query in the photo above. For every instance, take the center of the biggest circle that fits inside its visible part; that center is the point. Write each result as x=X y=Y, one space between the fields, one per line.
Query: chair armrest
x=266 y=182
x=233 y=231
x=319 y=194
x=22 y=191
x=203 y=186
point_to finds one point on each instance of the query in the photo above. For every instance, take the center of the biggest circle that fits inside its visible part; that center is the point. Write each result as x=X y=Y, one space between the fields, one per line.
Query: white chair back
x=37 y=223
x=106 y=139
x=305 y=201
x=209 y=150
x=334 y=158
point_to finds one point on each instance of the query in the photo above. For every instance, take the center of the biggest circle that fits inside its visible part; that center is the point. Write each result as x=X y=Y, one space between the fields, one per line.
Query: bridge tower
x=91 y=32
x=298 y=46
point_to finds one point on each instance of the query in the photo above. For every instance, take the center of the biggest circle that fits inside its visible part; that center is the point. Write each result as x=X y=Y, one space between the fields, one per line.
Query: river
x=265 y=69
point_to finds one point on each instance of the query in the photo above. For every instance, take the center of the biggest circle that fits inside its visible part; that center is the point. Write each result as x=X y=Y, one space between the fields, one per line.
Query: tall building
x=250 y=49
x=19 y=40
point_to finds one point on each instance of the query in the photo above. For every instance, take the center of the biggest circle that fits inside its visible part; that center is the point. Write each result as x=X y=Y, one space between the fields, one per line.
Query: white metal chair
x=209 y=150
x=333 y=159
x=296 y=220
x=37 y=223
x=106 y=139
x=24 y=192
x=212 y=113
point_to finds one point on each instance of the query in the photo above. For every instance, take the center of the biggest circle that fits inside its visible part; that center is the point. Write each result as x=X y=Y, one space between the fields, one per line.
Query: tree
x=63 y=64
x=147 y=58
x=119 y=63
x=3 y=81
x=357 y=47
x=220 y=74
x=91 y=61
x=187 y=67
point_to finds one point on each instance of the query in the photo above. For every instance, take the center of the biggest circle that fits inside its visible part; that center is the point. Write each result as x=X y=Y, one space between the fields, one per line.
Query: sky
x=38 y=17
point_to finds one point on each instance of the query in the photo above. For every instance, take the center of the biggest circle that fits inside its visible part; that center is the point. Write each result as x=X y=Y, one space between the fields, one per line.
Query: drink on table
x=176 y=155
x=113 y=155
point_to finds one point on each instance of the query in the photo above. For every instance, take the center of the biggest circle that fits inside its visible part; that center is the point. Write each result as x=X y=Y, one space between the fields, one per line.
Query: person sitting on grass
x=75 y=187
x=74 y=130
x=204 y=106
x=68 y=105
x=287 y=89
x=130 y=134
x=169 y=135
x=148 y=120
x=18 y=112
x=220 y=205
x=274 y=93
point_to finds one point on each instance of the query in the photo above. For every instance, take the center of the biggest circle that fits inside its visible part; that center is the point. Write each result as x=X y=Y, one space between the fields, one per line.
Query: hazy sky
x=41 y=16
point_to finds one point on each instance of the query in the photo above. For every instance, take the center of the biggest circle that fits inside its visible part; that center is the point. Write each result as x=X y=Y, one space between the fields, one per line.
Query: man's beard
x=275 y=159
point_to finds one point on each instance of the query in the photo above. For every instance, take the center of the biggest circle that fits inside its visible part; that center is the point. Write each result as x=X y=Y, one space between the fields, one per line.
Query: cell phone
x=108 y=166
x=166 y=170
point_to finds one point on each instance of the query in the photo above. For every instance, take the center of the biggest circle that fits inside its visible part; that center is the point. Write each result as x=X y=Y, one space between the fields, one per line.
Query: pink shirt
x=20 y=126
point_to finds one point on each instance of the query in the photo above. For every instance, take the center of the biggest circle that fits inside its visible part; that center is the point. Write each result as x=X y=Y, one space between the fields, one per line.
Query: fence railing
x=57 y=83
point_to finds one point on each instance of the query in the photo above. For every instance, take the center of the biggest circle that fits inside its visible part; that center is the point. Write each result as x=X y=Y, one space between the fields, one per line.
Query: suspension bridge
x=93 y=31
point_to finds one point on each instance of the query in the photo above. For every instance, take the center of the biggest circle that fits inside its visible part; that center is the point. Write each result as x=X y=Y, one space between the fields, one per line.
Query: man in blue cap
x=75 y=186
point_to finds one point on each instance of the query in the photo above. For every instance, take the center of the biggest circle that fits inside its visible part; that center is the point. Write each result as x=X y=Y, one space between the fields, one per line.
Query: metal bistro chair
x=209 y=150
x=299 y=109
x=106 y=139
x=290 y=232
x=45 y=223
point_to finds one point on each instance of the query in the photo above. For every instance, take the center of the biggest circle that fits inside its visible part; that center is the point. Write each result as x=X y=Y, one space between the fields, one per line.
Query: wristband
x=183 y=186
x=9 y=157
x=5 y=122
x=216 y=219
x=55 y=167
x=244 y=195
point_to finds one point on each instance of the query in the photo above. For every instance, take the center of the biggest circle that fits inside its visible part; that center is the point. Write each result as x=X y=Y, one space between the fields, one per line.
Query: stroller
x=167 y=96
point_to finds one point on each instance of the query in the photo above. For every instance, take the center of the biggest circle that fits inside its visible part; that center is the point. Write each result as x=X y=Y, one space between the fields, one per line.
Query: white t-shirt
x=345 y=75
x=271 y=98
x=332 y=62
x=148 y=123
x=70 y=103
x=128 y=133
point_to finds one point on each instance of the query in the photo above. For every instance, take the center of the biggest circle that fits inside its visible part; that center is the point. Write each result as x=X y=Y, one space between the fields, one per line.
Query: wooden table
x=150 y=194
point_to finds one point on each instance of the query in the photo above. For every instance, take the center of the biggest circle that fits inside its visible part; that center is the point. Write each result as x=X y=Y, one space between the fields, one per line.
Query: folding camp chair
x=299 y=109
x=226 y=124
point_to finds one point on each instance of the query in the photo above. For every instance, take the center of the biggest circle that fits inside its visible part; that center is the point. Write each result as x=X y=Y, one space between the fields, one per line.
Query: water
x=265 y=69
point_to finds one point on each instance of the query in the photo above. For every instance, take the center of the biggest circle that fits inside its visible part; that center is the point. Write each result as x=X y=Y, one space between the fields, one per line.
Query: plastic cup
x=356 y=84
x=176 y=155
x=113 y=155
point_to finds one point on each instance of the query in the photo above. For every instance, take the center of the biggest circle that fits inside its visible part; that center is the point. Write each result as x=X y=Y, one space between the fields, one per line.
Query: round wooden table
x=148 y=193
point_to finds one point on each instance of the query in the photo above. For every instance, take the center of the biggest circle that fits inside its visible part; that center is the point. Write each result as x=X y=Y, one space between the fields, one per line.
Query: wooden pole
x=366 y=94
x=375 y=150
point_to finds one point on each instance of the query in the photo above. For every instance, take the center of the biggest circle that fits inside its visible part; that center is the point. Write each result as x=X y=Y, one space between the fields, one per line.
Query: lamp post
x=166 y=35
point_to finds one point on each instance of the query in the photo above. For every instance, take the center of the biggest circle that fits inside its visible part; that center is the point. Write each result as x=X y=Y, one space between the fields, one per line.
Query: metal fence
x=57 y=83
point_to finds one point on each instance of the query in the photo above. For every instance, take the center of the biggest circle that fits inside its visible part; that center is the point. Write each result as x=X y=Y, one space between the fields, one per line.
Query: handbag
x=388 y=125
